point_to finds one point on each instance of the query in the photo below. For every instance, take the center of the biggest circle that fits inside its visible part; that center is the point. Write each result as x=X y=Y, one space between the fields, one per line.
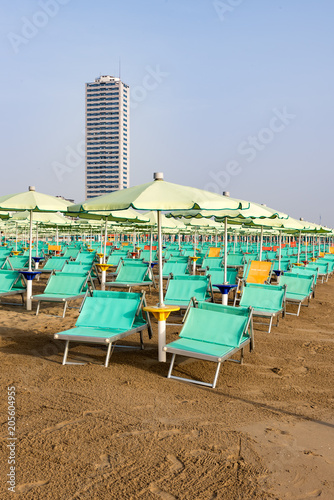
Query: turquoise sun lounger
x=106 y=318
x=212 y=332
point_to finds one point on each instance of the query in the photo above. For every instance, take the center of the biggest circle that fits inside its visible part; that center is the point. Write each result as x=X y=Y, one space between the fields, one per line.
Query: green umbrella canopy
x=41 y=217
x=127 y=215
x=33 y=201
x=165 y=223
x=251 y=210
x=158 y=195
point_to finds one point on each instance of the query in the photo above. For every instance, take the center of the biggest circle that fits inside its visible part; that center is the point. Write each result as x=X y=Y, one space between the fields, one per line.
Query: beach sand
x=127 y=432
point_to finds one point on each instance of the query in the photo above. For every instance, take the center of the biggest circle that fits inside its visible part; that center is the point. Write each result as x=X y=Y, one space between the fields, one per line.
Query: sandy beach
x=127 y=432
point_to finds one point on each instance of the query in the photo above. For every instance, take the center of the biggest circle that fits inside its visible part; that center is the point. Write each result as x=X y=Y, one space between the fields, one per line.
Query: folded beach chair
x=11 y=283
x=298 y=289
x=267 y=301
x=105 y=318
x=54 y=263
x=130 y=275
x=212 y=332
x=63 y=287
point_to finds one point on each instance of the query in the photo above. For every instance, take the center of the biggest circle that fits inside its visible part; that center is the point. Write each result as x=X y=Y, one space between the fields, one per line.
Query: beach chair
x=105 y=318
x=182 y=289
x=210 y=262
x=54 y=263
x=86 y=257
x=235 y=260
x=298 y=290
x=17 y=262
x=130 y=275
x=267 y=301
x=322 y=270
x=256 y=272
x=71 y=253
x=212 y=332
x=11 y=283
x=175 y=268
x=63 y=287
x=213 y=252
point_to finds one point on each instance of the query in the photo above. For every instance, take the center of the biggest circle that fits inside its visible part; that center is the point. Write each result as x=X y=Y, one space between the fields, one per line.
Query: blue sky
x=232 y=95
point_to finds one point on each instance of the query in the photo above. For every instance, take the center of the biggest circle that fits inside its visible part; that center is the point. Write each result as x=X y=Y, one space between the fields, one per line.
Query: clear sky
x=232 y=95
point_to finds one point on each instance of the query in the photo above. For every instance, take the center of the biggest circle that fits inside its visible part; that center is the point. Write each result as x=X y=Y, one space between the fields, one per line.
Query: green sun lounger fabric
x=212 y=332
x=105 y=318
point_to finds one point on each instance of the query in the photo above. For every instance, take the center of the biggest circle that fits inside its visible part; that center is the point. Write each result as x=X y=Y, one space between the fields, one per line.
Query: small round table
x=103 y=268
x=161 y=314
x=194 y=259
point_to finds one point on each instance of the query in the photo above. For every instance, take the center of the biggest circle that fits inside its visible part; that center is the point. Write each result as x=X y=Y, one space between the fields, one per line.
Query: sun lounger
x=175 y=268
x=105 y=318
x=11 y=283
x=256 y=272
x=212 y=332
x=54 y=264
x=299 y=289
x=181 y=289
x=130 y=275
x=267 y=301
x=63 y=287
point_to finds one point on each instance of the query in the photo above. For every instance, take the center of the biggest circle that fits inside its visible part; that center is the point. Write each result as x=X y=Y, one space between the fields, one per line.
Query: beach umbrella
x=33 y=202
x=161 y=196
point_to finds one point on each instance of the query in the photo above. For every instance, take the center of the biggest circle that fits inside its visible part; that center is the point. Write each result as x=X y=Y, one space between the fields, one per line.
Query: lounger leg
x=108 y=355
x=141 y=340
x=171 y=366
x=38 y=306
x=241 y=356
x=66 y=352
x=299 y=306
x=270 y=324
x=65 y=307
x=216 y=376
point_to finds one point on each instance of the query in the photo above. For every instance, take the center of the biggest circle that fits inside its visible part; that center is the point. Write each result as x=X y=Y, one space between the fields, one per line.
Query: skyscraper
x=107 y=136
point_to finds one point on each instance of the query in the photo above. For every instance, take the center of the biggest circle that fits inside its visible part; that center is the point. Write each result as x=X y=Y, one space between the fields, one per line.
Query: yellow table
x=103 y=268
x=161 y=314
x=194 y=259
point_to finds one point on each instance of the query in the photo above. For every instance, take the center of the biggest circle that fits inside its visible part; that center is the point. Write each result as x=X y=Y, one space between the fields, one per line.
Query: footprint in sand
x=105 y=462
x=24 y=488
x=59 y=426
x=160 y=493
x=177 y=465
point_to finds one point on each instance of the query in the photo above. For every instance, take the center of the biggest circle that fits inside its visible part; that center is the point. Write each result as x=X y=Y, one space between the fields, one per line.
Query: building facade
x=107 y=136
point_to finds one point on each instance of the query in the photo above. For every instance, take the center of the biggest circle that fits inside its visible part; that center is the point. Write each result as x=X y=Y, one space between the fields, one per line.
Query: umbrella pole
x=151 y=244
x=279 y=250
x=306 y=243
x=298 y=255
x=16 y=237
x=261 y=243
x=29 y=281
x=225 y=250
x=162 y=323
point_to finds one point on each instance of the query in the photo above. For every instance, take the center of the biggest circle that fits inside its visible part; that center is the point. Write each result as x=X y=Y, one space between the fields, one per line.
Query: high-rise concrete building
x=107 y=136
